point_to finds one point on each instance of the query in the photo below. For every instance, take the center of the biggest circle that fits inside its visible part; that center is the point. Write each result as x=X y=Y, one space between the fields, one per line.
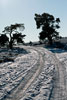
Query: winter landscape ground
x=36 y=73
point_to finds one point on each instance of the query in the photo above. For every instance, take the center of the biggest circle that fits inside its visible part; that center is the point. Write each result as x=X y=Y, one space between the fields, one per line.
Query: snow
x=63 y=58
x=12 y=73
x=42 y=87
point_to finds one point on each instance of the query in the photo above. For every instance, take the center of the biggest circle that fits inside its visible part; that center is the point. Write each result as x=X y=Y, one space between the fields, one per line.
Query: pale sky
x=23 y=11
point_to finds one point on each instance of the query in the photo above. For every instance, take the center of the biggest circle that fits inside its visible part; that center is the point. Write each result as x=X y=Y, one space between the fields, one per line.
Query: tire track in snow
x=59 y=92
x=43 y=85
x=31 y=75
x=12 y=75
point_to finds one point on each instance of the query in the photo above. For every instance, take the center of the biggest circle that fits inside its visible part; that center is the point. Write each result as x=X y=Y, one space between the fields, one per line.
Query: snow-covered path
x=60 y=83
x=28 y=78
x=11 y=74
x=38 y=75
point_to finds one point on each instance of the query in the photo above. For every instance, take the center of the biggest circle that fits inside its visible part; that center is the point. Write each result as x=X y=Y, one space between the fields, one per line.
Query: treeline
x=47 y=22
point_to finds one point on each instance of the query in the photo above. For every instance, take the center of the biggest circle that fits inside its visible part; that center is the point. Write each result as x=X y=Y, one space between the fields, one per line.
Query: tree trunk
x=50 y=40
x=10 y=44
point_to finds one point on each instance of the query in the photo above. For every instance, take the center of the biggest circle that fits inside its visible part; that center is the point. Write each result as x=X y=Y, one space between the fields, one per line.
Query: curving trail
x=30 y=76
x=60 y=84
x=45 y=78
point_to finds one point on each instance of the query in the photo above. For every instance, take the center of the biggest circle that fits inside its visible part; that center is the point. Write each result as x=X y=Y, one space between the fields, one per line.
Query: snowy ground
x=42 y=87
x=31 y=76
x=11 y=74
x=63 y=58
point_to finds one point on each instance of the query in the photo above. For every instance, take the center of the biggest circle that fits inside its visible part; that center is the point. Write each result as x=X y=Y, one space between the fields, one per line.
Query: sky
x=23 y=11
